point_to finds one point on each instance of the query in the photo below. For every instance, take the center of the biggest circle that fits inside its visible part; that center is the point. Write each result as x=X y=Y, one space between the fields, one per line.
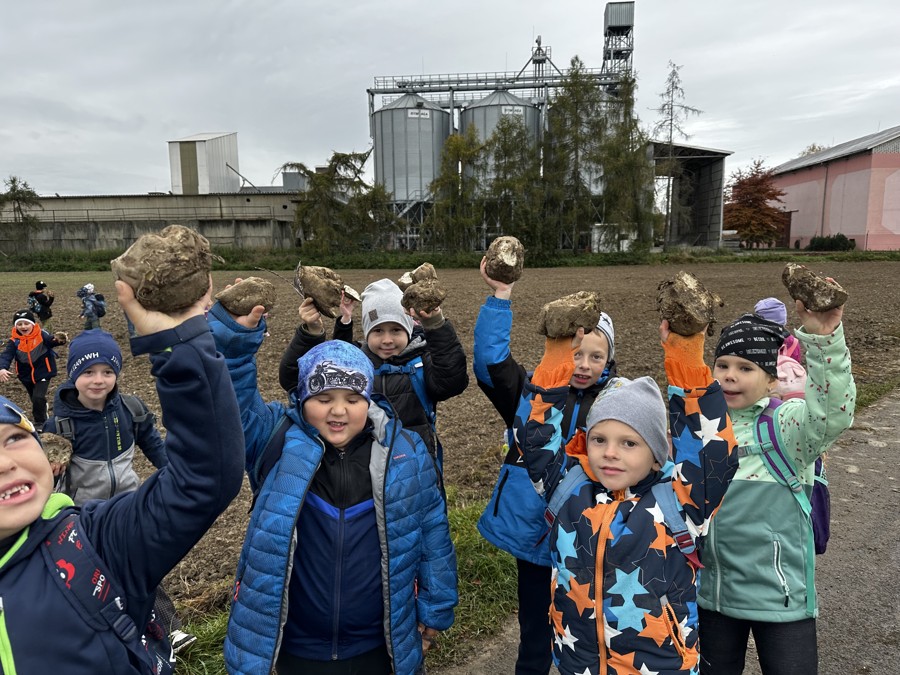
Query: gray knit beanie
x=605 y=326
x=639 y=404
x=381 y=303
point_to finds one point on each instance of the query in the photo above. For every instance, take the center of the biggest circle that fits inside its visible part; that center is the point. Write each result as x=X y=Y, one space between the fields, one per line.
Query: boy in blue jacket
x=89 y=410
x=514 y=518
x=42 y=628
x=347 y=565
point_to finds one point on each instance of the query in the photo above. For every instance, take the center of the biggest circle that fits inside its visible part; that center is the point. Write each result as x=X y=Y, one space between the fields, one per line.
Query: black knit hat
x=753 y=338
x=39 y=285
x=24 y=314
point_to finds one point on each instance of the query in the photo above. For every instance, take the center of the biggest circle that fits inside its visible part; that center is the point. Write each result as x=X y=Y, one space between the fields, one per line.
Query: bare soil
x=470 y=429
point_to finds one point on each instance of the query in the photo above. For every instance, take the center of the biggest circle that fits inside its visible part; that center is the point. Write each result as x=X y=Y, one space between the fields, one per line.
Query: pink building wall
x=858 y=196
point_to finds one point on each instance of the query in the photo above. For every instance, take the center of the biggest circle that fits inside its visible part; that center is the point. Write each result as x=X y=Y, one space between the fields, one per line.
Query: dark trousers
x=783 y=648
x=535 y=631
x=375 y=662
x=37 y=392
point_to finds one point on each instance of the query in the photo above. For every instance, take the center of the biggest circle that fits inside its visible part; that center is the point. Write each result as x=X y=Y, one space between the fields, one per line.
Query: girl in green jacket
x=759 y=560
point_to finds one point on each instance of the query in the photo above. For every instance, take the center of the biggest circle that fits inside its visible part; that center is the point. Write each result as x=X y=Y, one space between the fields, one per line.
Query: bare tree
x=673 y=112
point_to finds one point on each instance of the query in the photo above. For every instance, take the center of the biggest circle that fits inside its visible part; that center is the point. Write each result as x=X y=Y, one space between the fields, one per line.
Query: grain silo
x=486 y=114
x=409 y=135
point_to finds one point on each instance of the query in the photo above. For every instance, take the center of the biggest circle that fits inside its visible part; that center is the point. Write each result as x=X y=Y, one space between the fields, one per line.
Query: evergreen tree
x=454 y=217
x=625 y=156
x=572 y=172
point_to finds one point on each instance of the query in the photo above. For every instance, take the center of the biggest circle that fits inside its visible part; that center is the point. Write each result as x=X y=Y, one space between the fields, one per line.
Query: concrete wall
x=119 y=235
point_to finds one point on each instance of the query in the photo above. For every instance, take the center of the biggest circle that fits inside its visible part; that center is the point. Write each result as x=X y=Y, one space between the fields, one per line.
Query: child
x=348 y=556
x=624 y=592
x=396 y=349
x=89 y=307
x=126 y=543
x=760 y=572
x=89 y=410
x=39 y=301
x=773 y=309
x=32 y=350
x=514 y=517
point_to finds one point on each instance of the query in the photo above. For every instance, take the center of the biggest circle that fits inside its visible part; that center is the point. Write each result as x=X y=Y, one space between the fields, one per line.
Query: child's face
x=24 y=327
x=95 y=384
x=387 y=339
x=26 y=480
x=339 y=415
x=618 y=455
x=590 y=360
x=743 y=382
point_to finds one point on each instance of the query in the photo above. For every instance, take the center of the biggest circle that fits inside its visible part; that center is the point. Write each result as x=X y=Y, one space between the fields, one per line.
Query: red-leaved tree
x=750 y=206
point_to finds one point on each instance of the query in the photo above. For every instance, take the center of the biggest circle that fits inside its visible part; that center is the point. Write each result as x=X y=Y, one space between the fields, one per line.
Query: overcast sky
x=91 y=90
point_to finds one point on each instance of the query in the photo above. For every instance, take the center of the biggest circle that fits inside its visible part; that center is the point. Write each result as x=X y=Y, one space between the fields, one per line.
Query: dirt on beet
x=471 y=431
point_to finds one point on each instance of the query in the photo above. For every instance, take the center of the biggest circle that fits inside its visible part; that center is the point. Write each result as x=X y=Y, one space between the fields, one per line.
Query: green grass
x=869 y=393
x=487 y=596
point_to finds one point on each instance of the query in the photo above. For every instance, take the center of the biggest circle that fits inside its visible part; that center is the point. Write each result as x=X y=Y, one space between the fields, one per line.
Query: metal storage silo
x=409 y=135
x=486 y=114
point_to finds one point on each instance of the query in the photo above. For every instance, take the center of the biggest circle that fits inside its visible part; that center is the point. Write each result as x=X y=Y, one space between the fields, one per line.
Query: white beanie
x=381 y=303
x=605 y=326
x=639 y=404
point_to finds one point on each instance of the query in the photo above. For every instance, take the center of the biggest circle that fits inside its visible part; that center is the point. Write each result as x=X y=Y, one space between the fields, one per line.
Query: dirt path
x=857 y=578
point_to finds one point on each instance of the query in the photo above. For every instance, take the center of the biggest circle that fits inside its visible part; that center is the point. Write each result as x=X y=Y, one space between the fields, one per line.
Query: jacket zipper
x=500 y=491
x=109 y=463
x=6 y=656
x=336 y=618
x=668 y=613
x=776 y=563
x=609 y=512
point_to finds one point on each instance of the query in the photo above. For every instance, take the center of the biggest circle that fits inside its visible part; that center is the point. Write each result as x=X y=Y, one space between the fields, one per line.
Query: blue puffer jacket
x=418 y=565
x=514 y=517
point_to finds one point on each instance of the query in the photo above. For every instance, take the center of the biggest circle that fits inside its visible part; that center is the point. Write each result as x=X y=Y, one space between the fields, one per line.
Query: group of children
x=630 y=557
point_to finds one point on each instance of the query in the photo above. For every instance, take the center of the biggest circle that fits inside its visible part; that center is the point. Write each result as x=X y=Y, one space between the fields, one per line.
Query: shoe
x=181 y=640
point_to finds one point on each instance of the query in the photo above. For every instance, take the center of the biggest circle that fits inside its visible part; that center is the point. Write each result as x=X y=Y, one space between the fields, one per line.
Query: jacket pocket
x=779 y=570
x=673 y=627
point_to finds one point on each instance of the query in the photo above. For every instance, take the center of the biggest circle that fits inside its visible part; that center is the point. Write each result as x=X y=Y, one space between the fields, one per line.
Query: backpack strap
x=674 y=520
x=140 y=413
x=65 y=428
x=92 y=591
x=783 y=470
x=574 y=477
x=415 y=368
x=269 y=457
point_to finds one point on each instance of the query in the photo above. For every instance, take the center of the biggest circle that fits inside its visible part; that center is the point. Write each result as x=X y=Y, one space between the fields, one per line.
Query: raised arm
x=704 y=450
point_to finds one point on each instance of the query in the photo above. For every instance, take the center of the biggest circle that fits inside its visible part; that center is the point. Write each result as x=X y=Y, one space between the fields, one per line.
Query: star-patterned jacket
x=624 y=596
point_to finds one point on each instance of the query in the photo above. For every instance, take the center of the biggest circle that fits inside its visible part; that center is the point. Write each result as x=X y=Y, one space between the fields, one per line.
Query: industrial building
x=852 y=189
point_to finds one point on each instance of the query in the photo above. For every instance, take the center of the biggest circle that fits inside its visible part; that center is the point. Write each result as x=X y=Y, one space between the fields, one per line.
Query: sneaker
x=181 y=640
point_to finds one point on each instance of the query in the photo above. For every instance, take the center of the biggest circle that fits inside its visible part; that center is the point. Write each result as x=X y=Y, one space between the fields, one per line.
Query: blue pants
x=783 y=648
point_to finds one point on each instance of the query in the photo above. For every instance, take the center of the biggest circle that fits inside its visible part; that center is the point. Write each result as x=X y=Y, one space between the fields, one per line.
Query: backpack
x=818 y=503
x=99 y=305
x=34 y=306
x=92 y=591
x=791 y=378
x=665 y=499
x=138 y=409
